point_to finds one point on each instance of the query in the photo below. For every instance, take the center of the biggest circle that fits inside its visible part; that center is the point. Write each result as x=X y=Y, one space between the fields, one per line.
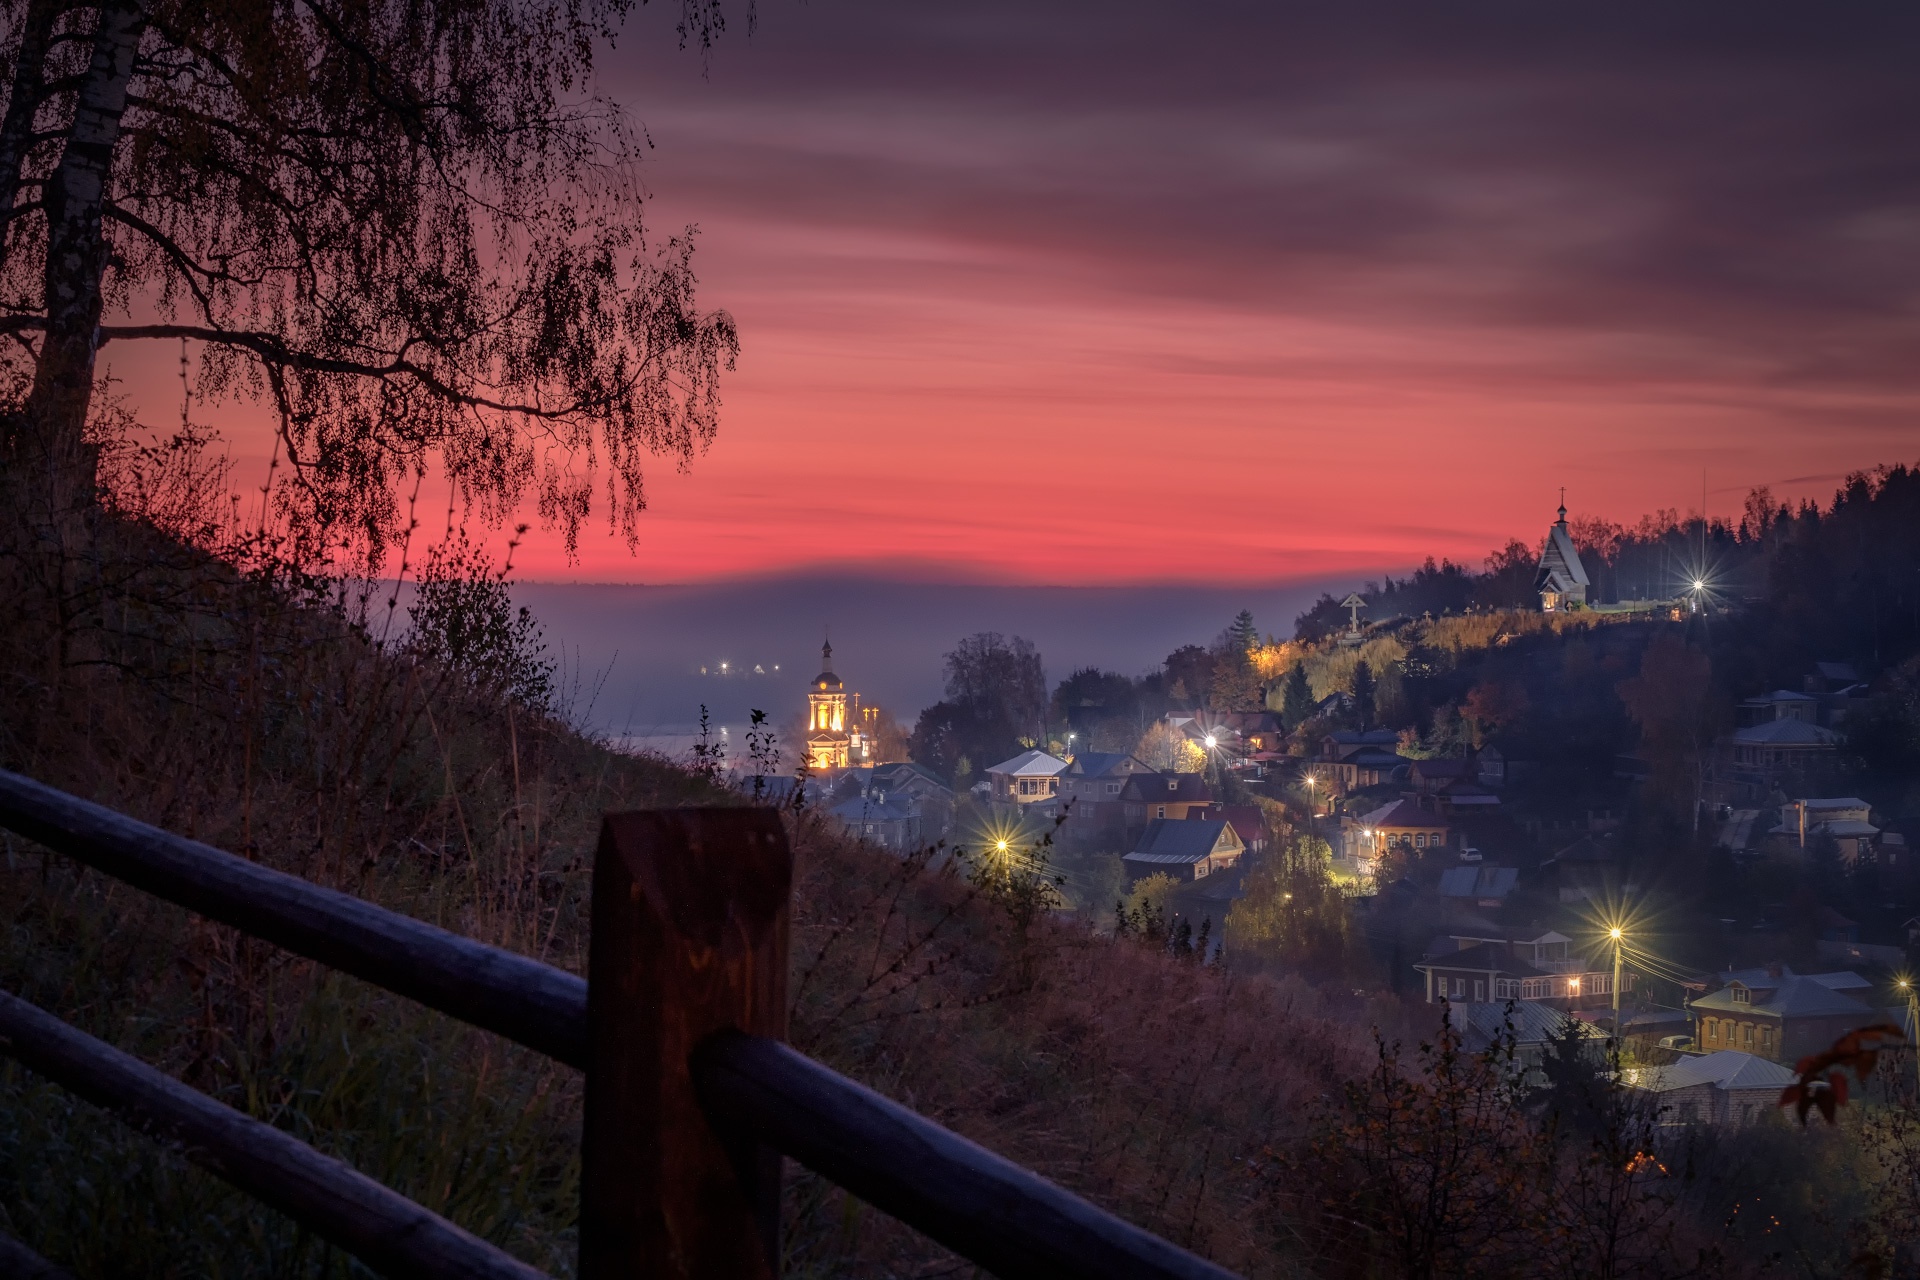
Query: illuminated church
x=835 y=739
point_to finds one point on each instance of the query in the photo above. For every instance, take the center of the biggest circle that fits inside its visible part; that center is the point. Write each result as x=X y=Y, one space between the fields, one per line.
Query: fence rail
x=691 y=1097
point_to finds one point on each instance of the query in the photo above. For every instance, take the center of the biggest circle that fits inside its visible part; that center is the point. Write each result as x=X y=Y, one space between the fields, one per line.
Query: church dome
x=826 y=679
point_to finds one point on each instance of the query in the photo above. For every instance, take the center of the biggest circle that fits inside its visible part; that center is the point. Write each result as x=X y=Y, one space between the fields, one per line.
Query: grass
x=259 y=717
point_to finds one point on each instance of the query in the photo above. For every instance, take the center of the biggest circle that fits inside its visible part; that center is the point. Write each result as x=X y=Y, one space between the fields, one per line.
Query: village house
x=1402 y=823
x=1342 y=743
x=1727 y=1088
x=1531 y=965
x=1533 y=1026
x=1781 y=704
x=1090 y=788
x=1778 y=1014
x=1367 y=767
x=1843 y=819
x=1028 y=778
x=1187 y=849
x=1430 y=777
x=1146 y=796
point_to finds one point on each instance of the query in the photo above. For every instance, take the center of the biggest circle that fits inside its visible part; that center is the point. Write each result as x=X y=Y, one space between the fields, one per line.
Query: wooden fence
x=692 y=1099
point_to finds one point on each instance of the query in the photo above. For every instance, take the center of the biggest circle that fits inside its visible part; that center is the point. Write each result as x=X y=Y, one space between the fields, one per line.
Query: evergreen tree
x=1362 y=690
x=1296 y=699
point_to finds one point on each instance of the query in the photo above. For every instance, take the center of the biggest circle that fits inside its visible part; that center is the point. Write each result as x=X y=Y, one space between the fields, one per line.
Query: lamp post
x=1313 y=804
x=1614 y=933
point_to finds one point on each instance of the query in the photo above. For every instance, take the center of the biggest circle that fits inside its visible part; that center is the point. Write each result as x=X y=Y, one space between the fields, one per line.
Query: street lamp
x=1618 y=942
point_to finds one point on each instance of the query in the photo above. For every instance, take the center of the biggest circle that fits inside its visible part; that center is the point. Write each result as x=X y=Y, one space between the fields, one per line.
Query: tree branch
x=274 y=350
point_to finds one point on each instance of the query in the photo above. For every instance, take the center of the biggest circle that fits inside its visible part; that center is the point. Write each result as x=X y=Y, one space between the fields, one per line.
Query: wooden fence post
x=689 y=937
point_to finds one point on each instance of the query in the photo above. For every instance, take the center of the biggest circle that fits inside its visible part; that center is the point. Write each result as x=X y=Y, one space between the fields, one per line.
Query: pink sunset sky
x=1114 y=294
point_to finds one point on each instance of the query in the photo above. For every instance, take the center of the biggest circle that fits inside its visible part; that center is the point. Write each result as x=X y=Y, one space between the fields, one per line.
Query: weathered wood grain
x=518 y=997
x=388 y=1232
x=689 y=937
x=986 y=1209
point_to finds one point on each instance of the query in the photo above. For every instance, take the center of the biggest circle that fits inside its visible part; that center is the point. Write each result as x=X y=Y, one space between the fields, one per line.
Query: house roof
x=905 y=774
x=1837 y=671
x=1816 y=804
x=1248 y=822
x=1374 y=758
x=1174 y=841
x=1847 y=828
x=1727 y=1069
x=1097 y=764
x=1838 y=980
x=1783 y=997
x=1478 y=882
x=1784 y=733
x=1487 y=957
x=1533 y=1023
x=1182 y=788
x=1030 y=764
x=1402 y=813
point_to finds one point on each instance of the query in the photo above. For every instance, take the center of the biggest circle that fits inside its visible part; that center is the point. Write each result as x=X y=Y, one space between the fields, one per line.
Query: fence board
x=518 y=997
x=985 y=1208
x=387 y=1231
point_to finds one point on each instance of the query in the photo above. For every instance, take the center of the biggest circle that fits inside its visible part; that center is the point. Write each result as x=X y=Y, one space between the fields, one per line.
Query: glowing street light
x=1618 y=942
x=1212 y=742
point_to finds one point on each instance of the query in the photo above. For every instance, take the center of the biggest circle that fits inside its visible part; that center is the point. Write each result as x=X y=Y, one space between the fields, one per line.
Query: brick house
x=1779 y=1015
x=1403 y=822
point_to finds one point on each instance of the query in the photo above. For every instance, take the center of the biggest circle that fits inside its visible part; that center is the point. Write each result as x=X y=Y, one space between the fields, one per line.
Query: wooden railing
x=692 y=1099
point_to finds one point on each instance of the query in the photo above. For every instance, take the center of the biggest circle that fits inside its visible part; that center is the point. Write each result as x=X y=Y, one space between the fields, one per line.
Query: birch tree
x=410 y=230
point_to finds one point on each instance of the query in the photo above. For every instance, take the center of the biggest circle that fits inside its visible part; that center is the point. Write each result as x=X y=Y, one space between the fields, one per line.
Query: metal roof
x=1788 y=733
x=1176 y=840
x=1783 y=997
x=1031 y=764
x=1727 y=1069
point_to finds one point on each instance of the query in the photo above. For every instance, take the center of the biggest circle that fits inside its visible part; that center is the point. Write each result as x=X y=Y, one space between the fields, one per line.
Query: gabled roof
x=1402 y=813
x=1030 y=764
x=1841 y=671
x=1172 y=840
x=1788 y=733
x=1727 y=1069
x=1179 y=788
x=1478 y=882
x=1097 y=764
